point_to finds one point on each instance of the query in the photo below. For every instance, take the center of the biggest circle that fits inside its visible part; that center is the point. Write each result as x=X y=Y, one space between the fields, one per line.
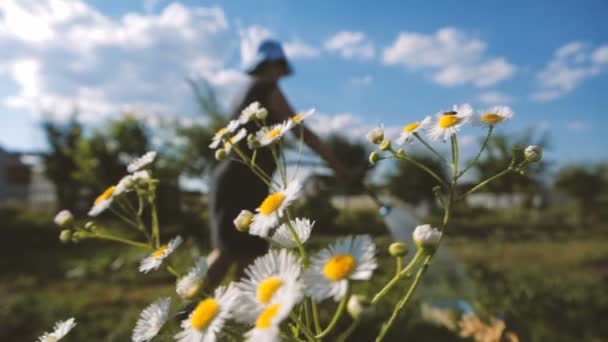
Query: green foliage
x=413 y=185
x=585 y=185
x=60 y=162
x=353 y=156
x=498 y=155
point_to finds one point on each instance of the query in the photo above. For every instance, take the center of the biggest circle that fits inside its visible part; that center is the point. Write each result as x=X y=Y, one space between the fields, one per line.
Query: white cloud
x=494 y=98
x=570 y=66
x=347 y=124
x=578 y=126
x=297 y=49
x=251 y=37
x=361 y=80
x=453 y=57
x=64 y=54
x=351 y=45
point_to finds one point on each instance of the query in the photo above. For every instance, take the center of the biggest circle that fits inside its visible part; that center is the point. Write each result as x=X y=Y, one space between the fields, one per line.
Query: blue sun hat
x=269 y=51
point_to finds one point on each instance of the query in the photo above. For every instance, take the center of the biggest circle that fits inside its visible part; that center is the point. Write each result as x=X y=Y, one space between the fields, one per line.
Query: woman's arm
x=280 y=107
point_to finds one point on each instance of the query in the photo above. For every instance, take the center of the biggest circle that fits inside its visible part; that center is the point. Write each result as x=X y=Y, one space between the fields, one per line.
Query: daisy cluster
x=227 y=137
x=446 y=123
x=279 y=289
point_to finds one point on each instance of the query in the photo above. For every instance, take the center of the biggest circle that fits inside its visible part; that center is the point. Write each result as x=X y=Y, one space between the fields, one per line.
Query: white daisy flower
x=448 y=123
x=269 y=277
x=298 y=118
x=223 y=132
x=151 y=320
x=284 y=237
x=407 y=135
x=60 y=330
x=208 y=318
x=329 y=271
x=64 y=218
x=272 y=208
x=250 y=111
x=494 y=115
x=426 y=236
x=188 y=285
x=233 y=140
x=141 y=162
x=154 y=260
x=267 y=322
x=125 y=184
x=267 y=135
x=103 y=201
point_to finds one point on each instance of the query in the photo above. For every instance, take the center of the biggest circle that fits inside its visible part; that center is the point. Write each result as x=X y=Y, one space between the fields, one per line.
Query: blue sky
x=358 y=63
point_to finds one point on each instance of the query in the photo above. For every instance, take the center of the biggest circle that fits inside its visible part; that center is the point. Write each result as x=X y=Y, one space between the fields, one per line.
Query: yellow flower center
x=203 y=314
x=51 y=339
x=272 y=203
x=491 y=118
x=339 y=267
x=106 y=195
x=411 y=127
x=265 y=318
x=297 y=118
x=448 y=120
x=273 y=133
x=160 y=252
x=220 y=132
x=267 y=289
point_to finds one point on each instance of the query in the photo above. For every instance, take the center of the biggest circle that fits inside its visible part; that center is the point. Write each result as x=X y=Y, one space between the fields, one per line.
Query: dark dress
x=234 y=187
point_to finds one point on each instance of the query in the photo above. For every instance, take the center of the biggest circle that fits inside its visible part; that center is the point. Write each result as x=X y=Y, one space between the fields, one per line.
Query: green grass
x=547 y=289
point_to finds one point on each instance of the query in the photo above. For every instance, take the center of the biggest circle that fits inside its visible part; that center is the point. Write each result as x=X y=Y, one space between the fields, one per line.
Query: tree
x=585 y=185
x=354 y=156
x=497 y=157
x=60 y=162
x=413 y=185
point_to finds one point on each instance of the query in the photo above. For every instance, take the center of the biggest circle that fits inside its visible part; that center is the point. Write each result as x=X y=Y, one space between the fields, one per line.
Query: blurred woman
x=234 y=187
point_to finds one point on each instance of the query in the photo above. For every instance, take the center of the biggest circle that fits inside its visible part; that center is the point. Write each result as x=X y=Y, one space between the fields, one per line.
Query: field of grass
x=546 y=289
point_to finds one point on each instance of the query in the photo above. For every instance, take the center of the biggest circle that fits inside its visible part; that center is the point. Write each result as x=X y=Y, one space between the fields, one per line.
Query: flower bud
x=64 y=219
x=385 y=145
x=357 y=304
x=243 y=220
x=374 y=157
x=426 y=237
x=220 y=154
x=125 y=184
x=65 y=236
x=89 y=225
x=251 y=137
x=398 y=249
x=533 y=153
x=261 y=114
x=253 y=143
x=401 y=153
x=376 y=135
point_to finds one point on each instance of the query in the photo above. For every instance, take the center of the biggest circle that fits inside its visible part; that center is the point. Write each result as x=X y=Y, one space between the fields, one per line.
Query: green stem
x=404 y=300
x=155 y=227
x=102 y=236
x=315 y=316
x=398 y=265
x=415 y=260
x=173 y=271
x=455 y=156
x=485 y=182
x=422 y=167
x=124 y=218
x=279 y=165
x=351 y=328
x=337 y=315
x=483 y=147
x=303 y=327
x=440 y=156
